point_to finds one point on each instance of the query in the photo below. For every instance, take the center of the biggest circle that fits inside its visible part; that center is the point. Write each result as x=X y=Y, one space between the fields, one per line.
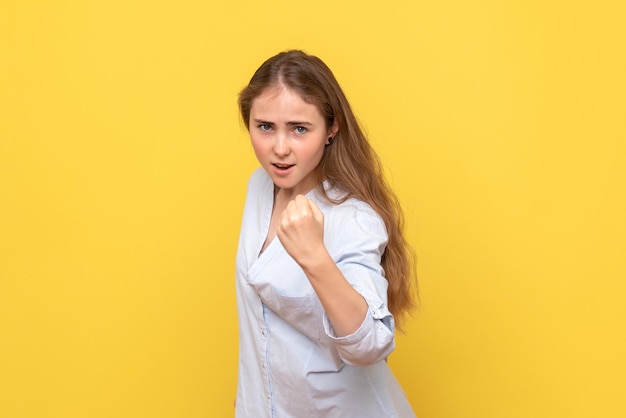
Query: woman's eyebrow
x=291 y=123
x=265 y=122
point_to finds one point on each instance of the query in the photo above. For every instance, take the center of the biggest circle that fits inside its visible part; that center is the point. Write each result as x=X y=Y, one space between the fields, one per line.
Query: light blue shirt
x=291 y=363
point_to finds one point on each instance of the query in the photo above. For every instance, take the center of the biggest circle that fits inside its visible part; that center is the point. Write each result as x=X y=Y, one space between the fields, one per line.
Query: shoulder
x=354 y=231
x=352 y=217
x=258 y=178
x=259 y=188
x=361 y=215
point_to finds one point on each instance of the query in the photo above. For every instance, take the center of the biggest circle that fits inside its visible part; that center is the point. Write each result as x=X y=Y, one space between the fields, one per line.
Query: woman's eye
x=300 y=129
x=265 y=127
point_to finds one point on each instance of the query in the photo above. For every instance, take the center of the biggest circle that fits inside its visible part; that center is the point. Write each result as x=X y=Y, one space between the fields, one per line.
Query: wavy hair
x=349 y=163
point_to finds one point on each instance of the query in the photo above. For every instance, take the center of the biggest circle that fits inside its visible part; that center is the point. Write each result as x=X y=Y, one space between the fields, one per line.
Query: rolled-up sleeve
x=358 y=237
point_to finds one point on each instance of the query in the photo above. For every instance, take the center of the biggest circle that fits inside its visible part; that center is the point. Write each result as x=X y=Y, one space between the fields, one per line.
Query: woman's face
x=288 y=136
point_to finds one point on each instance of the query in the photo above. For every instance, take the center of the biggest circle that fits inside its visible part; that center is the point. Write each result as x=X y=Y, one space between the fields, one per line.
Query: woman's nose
x=281 y=146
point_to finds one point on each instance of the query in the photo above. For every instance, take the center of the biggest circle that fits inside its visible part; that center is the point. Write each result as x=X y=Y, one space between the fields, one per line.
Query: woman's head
x=289 y=137
x=315 y=83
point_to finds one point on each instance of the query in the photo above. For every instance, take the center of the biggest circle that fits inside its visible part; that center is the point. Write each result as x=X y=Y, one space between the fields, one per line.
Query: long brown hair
x=349 y=163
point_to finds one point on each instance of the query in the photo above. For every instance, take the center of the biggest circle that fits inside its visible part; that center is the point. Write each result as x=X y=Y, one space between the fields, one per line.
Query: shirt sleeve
x=357 y=239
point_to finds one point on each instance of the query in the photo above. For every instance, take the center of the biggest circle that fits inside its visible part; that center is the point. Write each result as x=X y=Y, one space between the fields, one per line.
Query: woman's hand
x=301 y=230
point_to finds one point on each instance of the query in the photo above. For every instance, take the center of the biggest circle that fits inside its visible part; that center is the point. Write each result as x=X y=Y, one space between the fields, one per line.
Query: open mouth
x=283 y=167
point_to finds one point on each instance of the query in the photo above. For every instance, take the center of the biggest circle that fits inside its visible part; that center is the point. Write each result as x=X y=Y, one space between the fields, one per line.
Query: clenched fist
x=301 y=230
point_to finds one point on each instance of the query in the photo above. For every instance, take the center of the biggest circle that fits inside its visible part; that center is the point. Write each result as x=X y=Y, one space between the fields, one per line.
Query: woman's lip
x=282 y=168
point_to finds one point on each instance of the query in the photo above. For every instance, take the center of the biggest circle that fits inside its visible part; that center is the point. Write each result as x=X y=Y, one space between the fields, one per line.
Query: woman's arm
x=301 y=232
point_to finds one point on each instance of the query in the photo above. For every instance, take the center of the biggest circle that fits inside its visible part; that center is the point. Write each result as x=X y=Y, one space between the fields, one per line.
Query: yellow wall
x=123 y=167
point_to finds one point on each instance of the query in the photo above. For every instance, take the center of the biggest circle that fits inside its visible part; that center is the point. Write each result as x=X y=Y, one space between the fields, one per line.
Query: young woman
x=324 y=273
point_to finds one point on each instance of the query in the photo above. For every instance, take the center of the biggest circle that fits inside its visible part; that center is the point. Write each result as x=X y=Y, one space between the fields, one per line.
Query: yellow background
x=122 y=177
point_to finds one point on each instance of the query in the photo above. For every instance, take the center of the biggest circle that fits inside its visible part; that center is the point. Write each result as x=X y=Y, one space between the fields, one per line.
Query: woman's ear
x=334 y=128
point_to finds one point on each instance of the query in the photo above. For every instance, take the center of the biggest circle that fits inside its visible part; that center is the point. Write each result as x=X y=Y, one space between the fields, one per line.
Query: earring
x=330 y=140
